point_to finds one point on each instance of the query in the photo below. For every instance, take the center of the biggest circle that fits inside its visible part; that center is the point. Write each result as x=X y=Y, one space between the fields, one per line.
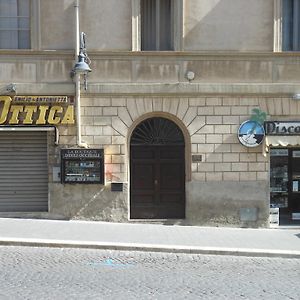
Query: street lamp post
x=81 y=67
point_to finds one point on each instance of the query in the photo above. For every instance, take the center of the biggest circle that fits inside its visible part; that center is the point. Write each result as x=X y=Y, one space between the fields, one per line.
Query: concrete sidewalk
x=150 y=237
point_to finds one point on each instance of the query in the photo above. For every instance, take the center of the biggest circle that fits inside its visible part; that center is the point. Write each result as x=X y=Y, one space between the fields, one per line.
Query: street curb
x=152 y=248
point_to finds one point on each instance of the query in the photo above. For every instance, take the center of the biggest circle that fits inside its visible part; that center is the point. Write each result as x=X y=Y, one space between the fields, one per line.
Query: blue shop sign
x=251 y=133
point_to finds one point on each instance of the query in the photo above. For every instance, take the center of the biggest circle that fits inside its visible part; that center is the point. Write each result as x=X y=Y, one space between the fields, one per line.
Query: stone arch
x=157 y=168
x=179 y=123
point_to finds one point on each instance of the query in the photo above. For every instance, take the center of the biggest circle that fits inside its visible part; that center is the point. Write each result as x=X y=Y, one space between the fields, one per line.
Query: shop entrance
x=157 y=170
x=285 y=184
x=24 y=171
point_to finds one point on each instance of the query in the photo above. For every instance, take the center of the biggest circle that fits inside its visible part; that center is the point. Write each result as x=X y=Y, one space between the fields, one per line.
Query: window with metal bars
x=157 y=131
x=157 y=18
x=14 y=24
x=291 y=25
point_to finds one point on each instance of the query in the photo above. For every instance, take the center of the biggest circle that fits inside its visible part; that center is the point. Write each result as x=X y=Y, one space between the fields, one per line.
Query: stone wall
x=228 y=179
x=212 y=124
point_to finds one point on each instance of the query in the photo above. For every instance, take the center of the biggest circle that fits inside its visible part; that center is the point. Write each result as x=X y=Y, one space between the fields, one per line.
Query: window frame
x=34 y=28
x=278 y=28
x=177 y=34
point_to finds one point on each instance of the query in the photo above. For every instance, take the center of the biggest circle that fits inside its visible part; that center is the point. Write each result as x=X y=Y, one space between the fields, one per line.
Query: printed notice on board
x=295 y=186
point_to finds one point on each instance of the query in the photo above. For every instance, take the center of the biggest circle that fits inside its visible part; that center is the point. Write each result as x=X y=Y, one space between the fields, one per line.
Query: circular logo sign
x=251 y=133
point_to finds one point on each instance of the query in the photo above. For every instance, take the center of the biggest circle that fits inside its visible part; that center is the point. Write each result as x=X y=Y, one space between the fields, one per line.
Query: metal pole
x=77 y=80
x=76 y=6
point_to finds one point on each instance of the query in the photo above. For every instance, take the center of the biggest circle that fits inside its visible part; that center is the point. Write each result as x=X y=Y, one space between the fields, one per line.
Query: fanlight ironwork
x=157 y=131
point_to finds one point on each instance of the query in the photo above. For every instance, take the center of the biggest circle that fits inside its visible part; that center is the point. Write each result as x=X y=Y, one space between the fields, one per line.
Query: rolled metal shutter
x=23 y=171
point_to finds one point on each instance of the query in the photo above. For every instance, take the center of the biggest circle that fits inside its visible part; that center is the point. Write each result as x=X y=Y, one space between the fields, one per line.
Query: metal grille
x=23 y=172
x=157 y=131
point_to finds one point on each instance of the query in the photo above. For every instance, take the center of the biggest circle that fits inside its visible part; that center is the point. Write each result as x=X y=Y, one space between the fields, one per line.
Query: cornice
x=157 y=54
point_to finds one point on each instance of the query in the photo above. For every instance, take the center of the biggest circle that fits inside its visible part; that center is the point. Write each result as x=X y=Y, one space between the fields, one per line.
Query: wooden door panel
x=157 y=182
x=171 y=153
x=171 y=176
x=143 y=178
x=142 y=153
x=169 y=197
x=142 y=199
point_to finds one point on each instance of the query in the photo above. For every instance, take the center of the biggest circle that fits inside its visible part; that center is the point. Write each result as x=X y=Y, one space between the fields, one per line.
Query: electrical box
x=117 y=187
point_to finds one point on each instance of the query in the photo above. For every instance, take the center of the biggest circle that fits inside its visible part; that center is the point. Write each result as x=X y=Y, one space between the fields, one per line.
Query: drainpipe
x=77 y=80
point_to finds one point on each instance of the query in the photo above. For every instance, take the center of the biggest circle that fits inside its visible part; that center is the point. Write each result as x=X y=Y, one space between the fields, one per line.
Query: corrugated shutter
x=23 y=171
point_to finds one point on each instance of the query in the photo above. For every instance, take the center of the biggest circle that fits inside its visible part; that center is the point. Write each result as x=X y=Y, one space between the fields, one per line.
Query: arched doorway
x=157 y=170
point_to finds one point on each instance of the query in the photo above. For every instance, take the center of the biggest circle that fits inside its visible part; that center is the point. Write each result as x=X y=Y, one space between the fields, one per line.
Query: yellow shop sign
x=36 y=110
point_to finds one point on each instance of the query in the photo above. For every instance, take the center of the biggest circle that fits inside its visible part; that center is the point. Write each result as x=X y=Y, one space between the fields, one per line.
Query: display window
x=285 y=182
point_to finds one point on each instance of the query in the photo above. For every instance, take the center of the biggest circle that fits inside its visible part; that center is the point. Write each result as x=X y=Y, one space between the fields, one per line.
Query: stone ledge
x=191 y=89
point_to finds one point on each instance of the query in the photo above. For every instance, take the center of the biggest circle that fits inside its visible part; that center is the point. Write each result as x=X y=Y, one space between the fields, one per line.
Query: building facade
x=154 y=135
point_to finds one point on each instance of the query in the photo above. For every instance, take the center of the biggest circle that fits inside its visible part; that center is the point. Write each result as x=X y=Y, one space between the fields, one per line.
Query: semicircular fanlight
x=157 y=131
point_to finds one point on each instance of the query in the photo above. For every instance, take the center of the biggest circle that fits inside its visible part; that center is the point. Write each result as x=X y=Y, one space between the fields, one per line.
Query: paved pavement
x=151 y=237
x=66 y=273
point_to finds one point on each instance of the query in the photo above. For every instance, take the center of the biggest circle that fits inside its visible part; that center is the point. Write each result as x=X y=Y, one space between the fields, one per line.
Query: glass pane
x=296 y=25
x=23 y=8
x=8 y=39
x=23 y=23
x=24 y=39
x=290 y=25
x=287 y=22
x=156 y=24
x=165 y=25
x=9 y=23
x=296 y=170
x=14 y=24
x=82 y=171
x=8 y=8
x=279 y=177
x=148 y=24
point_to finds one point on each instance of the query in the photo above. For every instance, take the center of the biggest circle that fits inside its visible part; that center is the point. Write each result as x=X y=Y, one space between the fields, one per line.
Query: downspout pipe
x=77 y=81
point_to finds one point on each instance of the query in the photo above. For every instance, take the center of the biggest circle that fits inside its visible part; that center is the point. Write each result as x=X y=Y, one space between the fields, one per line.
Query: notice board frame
x=82 y=166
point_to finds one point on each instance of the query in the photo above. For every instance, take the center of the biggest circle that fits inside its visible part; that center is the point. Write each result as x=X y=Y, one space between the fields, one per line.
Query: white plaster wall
x=56 y=24
x=239 y=25
x=106 y=23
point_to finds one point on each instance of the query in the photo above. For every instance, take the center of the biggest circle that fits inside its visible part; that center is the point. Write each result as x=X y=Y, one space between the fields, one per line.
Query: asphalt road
x=48 y=273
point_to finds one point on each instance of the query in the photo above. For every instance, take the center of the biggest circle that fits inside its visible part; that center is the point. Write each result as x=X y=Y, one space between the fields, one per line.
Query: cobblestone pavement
x=48 y=273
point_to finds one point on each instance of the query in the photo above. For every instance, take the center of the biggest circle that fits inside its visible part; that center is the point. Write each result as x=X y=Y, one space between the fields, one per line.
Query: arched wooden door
x=157 y=170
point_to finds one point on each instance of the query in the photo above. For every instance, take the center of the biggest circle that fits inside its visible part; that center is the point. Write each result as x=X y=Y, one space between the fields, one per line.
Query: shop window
x=285 y=183
x=291 y=25
x=279 y=177
x=14 y=24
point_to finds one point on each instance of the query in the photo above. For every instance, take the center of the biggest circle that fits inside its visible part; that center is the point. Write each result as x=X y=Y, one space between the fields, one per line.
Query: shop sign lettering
x=81 y=153
x=282 y=128
x=36 y=110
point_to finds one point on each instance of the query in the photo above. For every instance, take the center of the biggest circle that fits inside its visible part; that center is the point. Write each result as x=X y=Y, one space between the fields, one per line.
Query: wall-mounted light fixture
x=82 y=66
x=11 y=88
x=190 y=76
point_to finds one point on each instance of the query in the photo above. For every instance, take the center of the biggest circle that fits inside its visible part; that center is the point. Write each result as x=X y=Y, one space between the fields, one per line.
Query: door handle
x=156 y=182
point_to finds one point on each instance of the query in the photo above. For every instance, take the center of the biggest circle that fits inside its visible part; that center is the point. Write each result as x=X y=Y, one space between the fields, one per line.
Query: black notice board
x=84 y=166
